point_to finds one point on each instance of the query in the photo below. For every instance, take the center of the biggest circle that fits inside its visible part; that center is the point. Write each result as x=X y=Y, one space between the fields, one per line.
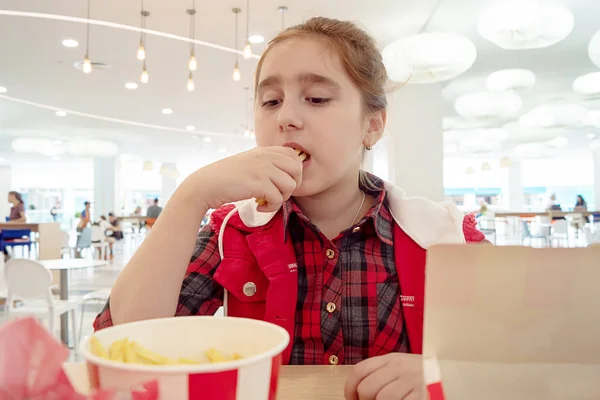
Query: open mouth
x=302 y=155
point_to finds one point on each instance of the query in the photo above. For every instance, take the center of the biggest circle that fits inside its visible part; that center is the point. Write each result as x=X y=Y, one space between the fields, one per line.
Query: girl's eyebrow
x=307 y=78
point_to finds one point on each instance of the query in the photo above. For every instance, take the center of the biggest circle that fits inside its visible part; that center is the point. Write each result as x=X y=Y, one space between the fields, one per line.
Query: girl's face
x=306 y=100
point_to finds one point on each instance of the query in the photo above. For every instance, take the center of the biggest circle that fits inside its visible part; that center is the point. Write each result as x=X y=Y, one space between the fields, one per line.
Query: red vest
x=260 y=256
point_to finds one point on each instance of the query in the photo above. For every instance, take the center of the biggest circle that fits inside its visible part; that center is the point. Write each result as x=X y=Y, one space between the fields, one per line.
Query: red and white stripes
x=257 y=381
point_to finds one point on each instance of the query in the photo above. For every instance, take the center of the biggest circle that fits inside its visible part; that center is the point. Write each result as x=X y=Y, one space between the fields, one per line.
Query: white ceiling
x=35 y=67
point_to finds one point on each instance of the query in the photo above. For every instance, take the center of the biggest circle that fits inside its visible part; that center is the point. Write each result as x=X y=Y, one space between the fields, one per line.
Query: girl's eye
x=317 y=100
x=270 y=103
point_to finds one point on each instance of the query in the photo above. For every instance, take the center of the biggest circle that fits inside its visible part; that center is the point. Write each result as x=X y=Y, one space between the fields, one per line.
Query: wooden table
x=305 y=382
x=49 y=241
x=318 y=382
x=64 y=266
x=136 y=218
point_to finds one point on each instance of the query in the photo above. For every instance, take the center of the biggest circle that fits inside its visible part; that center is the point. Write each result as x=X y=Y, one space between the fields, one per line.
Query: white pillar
x=5 y=187
x=416 y=140
x=169 y=183
x=596 y=155
x=513 y=193
x=107 y=187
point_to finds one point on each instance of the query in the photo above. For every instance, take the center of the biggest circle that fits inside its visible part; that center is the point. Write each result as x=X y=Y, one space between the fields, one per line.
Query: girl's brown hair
x=357 y=50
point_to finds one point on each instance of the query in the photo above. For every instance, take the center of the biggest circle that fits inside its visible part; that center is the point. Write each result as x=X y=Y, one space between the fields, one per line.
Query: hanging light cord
x=87 y=40
x=236 y=37
x=193 y=27
x=143 y=25
x=247 y=19
x=283 y=19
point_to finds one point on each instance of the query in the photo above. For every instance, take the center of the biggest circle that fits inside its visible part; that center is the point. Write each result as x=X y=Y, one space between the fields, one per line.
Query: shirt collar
x=379 y=214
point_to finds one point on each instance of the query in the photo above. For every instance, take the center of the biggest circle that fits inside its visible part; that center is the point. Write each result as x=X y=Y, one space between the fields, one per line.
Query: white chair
x=99 y=296
x=84 y=241
x=65 y=247
x=99 y=242
x=31 y=282
x=560 y=231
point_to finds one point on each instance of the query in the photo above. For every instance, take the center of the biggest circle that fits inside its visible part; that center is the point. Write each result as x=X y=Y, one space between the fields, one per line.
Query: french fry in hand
x=302 y=155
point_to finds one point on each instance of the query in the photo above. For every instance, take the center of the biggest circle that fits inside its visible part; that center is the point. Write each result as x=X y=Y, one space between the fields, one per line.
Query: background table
x=49 y=243
x=314 y=382
x=64 y=266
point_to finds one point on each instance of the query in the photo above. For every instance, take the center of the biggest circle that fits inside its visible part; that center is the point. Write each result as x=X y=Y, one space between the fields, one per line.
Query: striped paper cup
x=254 y=377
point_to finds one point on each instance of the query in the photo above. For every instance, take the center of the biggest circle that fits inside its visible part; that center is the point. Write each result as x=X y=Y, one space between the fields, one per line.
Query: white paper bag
x=514 y=322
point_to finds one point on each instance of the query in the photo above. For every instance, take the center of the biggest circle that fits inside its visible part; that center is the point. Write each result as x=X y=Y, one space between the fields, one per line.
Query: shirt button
x=356 y=229
x=330 y=253
x=249 y=289
x=333 y=360
x=330 y=307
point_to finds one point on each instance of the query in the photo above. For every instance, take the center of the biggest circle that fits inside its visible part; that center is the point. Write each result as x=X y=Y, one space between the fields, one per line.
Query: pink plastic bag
x=31 y=367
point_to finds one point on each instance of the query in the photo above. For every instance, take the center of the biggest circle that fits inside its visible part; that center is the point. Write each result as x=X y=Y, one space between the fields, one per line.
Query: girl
x=17 y=211
x=335 y=256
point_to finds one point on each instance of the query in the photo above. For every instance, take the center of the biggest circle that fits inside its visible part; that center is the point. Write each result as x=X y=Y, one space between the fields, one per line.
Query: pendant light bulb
x=141 y=53
x=236 y=73
x=247 y=50
x=145 y=77
x=247 y=133
x=190 y=85
x=193 y=64
x=87 y=65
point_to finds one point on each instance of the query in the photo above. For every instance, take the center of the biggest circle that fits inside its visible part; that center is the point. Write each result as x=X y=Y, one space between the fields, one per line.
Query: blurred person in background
x=116 y=226
x=580 y=205
x=84 y=219
x=152 y=213
x=553 y=206
x=17 y=211
x=108 y=231
x=139 y=223
x=154 y=210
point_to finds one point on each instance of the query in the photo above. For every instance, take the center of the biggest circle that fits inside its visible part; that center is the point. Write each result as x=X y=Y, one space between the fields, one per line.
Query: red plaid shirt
x=347 y=305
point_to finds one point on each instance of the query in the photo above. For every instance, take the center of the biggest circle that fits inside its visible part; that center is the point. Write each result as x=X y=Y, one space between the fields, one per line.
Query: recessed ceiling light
x=591 y=135
x=207 y=140
x=1 y=159
x=61 y=113
x=131 y=85
x=167 y=111
x=190 y=128
x=255 y=39
x=3 y=89
x=70 y=43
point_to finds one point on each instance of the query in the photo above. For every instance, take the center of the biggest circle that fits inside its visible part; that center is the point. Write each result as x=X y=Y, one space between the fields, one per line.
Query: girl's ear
x=375 y=128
